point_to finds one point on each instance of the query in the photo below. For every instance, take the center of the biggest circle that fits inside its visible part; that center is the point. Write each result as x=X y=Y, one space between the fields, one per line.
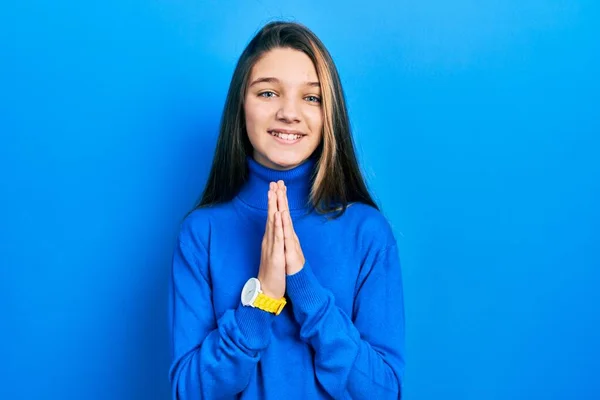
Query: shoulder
x=370 y=225
x=195 y=228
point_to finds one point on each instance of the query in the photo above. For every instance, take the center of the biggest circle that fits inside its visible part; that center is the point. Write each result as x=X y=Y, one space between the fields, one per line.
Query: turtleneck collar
x=298 y=181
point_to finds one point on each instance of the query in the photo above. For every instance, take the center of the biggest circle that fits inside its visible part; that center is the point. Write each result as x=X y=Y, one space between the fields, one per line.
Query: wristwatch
x=253 y=296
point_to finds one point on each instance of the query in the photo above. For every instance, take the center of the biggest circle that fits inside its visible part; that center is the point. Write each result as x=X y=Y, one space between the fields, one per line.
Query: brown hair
x=337 y=181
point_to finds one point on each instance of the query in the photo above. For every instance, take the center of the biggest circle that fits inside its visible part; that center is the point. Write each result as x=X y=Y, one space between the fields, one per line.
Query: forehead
x=287 y=65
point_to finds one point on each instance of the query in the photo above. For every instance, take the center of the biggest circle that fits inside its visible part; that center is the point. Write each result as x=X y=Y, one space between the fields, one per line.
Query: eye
x=267 y=94
x=313 y=99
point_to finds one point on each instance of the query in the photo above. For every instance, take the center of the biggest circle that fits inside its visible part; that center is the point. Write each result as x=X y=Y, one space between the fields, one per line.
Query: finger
x=280 y=200
x=283 y=204
x=287 y=205
x=288 y=232
x=270 y=219
x=272 y=206
x=290 y=215
x=278 y=244
x=276 y=200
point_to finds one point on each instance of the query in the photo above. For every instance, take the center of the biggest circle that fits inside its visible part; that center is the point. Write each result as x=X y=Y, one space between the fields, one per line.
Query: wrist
x=269 y=293
x=254 y=296
x=294 y=270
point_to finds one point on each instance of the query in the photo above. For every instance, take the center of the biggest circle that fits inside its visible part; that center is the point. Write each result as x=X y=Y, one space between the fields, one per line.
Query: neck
x=298 y=181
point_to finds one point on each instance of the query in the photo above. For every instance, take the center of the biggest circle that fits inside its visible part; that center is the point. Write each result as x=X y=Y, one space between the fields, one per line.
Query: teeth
x=286 y=136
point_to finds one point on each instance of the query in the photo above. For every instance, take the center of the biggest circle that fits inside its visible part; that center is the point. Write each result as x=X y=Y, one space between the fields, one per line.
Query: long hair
x=337 y=180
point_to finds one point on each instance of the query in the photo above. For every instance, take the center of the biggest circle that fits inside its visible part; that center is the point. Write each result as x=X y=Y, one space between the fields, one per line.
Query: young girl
x=286 y=281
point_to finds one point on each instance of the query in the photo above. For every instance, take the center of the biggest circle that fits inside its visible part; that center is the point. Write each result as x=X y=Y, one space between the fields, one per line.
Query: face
x=284 y=118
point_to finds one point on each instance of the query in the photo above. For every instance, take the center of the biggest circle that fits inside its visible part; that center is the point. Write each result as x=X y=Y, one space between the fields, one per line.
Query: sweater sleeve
x=360 y=357
x=210 y=359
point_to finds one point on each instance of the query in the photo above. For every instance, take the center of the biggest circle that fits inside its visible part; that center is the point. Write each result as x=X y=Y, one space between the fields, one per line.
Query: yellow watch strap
x=269 y=304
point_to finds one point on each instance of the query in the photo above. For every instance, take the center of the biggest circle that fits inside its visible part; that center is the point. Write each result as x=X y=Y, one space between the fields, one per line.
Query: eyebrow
x=270 y=79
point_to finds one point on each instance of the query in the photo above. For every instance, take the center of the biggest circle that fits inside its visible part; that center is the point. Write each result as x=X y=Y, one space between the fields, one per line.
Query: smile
x=287 y=138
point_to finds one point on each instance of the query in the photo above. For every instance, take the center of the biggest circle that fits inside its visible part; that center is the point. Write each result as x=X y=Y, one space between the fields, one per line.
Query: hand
x=294 y=257
x=271 y=273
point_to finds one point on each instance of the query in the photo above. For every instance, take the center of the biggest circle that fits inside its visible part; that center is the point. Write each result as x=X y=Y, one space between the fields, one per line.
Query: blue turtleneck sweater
x=340 y=336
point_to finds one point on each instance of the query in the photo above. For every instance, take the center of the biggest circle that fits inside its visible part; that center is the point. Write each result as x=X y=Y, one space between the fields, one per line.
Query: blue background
x=477 y=124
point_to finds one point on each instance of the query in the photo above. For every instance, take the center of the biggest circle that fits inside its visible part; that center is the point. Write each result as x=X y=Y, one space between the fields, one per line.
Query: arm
x=362 y=357
x=210 y=358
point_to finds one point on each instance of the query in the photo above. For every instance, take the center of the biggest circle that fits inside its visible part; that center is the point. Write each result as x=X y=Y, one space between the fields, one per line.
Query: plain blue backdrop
x=477 y=125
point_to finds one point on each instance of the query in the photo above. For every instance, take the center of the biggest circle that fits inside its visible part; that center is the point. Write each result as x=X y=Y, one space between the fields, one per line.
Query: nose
x=288 y=112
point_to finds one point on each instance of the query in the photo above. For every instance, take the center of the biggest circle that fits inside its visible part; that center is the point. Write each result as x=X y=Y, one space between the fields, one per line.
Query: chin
x=286 y=161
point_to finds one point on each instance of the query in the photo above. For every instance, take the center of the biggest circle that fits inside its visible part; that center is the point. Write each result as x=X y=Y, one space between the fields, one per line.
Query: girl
x=286 y=281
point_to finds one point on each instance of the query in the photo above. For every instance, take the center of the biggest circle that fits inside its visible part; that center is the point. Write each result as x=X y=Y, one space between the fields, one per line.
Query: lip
x=283 y=141
x=288 y=131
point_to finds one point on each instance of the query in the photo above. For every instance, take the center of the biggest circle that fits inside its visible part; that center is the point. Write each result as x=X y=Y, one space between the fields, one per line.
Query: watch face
x=249 y=291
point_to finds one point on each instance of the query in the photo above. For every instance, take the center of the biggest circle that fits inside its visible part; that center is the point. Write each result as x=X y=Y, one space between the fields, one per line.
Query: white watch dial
x=250 y=291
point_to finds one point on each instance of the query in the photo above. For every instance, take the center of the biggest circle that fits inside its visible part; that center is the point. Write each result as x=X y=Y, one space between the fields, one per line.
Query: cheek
x=315 y=121
x=257 y=116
